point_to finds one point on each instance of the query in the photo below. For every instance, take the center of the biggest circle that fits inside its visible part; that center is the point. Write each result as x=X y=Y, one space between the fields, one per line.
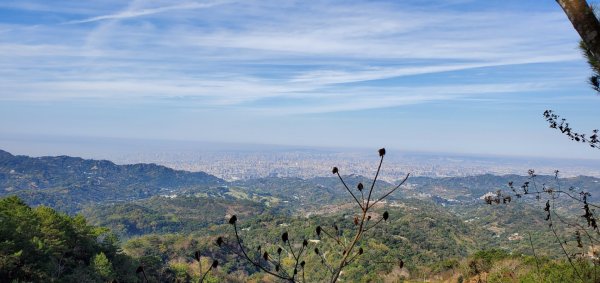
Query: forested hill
x=69 y=184
x=64 y=181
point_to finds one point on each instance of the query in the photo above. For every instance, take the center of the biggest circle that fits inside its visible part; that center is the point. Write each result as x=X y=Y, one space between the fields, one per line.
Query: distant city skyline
x=461 y=76
x=235 y=161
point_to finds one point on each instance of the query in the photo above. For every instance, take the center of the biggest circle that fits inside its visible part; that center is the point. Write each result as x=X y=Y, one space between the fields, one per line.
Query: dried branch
x=551 y=213
x=391 y=191
x=239 y=241
x=347 y=249
x=336 y=171
x=213 y=266
x=564 y=127
x=381 y=154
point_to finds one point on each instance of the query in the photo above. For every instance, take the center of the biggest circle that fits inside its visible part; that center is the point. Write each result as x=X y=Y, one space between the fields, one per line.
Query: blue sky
x=448 y=76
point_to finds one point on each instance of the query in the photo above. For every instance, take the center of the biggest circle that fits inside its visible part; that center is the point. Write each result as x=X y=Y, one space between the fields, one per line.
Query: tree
x=580 y=248
x=103 y=267
x=586 y=23
x=43 y=245
x=582 y=16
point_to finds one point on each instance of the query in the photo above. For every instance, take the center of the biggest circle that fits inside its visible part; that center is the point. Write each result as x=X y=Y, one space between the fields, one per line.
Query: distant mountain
x=471 y=188
x=308 y=194
x=70 y=184
x=67 y=183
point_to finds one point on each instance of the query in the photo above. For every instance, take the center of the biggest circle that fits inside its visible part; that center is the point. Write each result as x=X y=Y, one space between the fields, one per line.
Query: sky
x=439 y=76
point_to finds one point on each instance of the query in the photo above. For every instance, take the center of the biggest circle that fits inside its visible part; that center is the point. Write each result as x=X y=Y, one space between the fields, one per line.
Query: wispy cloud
x=257 y=51
x=147 y=12
x=364 y=98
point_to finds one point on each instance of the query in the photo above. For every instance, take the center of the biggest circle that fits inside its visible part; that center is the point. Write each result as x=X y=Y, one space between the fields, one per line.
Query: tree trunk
x=581 y=15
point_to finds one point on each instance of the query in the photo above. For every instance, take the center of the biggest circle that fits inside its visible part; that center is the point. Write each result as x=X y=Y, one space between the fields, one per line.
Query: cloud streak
x=129 y=14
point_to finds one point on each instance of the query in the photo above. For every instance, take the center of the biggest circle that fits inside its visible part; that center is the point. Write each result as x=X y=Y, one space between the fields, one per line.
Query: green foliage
x=182 y=214
x=496 y=266
x=65 y=183
x=103 y=267
x=43 y=245
x=432 y=225
x=482 y=261
x=594 y=65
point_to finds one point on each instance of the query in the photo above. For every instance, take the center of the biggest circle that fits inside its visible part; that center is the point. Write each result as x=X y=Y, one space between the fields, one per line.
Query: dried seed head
x=360 y=251
x=219 y=241
x=360 y=186
x=381 y=152
x=401 y=264
x=386 y=215
x=232 y=220
x=334 y=170
x=266 y=256
x=303 y=263
x=279 y=250
x=305 y=243
x=215 y=263
x=317 y=250
x=139 y=269
x=284 y=237
x=197 y=255
x=319 y=231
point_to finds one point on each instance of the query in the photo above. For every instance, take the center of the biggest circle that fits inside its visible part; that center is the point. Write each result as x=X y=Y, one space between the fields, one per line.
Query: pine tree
x=103 y=267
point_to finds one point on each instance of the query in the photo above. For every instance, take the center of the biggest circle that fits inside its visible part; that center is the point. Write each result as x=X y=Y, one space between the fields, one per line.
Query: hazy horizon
x=233 y=161
x=49 y=145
